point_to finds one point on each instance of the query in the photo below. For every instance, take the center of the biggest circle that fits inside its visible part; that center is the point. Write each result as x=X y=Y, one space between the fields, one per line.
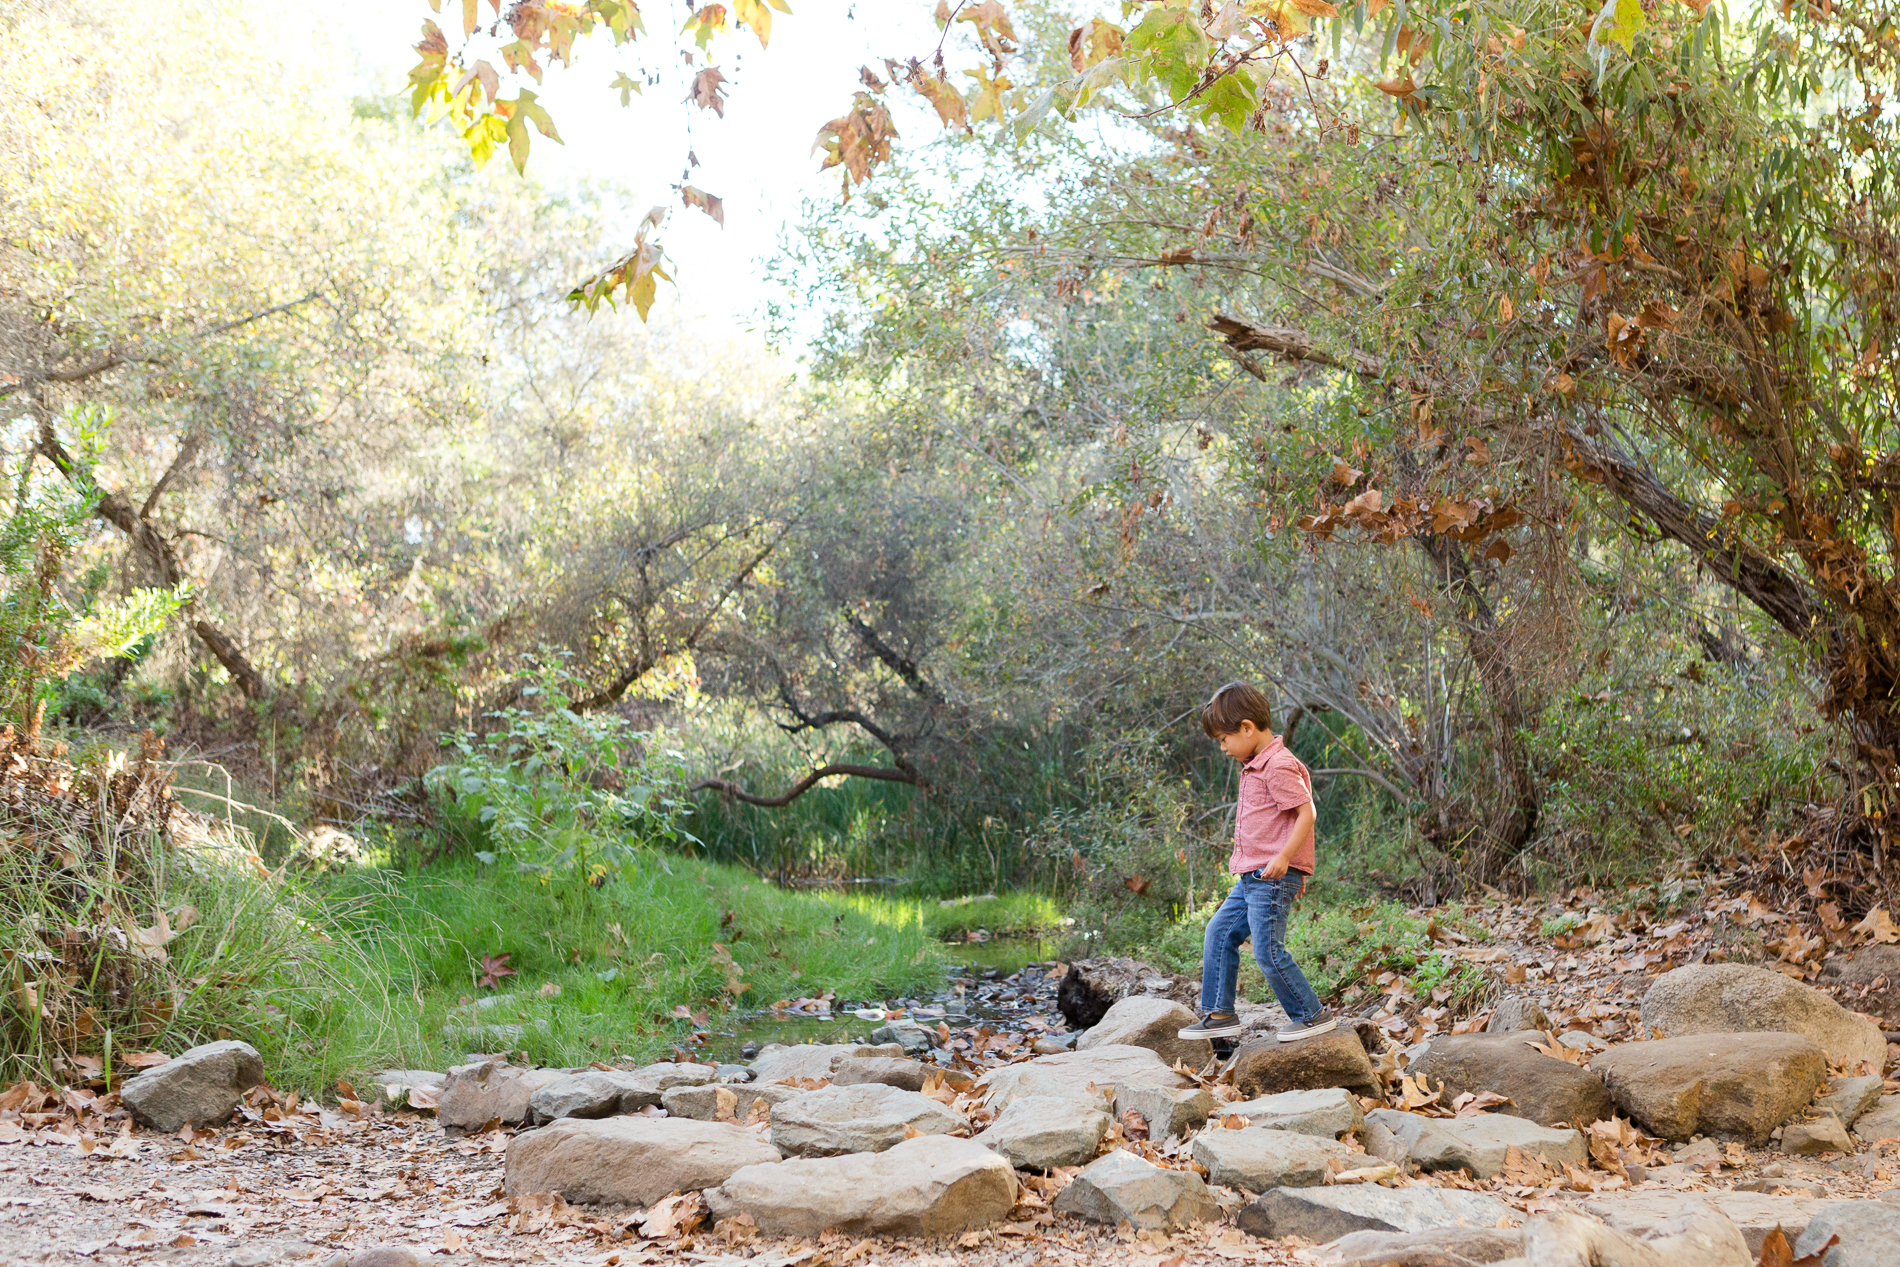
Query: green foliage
x=551 y=788
x=45 y=632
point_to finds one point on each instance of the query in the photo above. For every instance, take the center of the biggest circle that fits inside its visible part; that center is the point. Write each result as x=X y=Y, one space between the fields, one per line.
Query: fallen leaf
x=1878 y=926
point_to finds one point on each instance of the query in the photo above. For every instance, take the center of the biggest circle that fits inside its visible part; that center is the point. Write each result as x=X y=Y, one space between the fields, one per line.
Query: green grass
x=599 y=970
x=1001 y=915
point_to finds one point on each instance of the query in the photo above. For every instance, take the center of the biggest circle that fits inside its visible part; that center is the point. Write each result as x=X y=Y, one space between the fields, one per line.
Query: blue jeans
x=1258 y=909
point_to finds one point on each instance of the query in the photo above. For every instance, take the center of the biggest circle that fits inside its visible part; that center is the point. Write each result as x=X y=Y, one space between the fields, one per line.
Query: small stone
x=1823 y=1134
x=1325 y=1214
x=1168 y=1111
x=1123 y=1186
x=1539 y=1087
x=632 y=1160
x=199 y=1087
x=1880 y=1122
x=912 y=1037
x=1849 y=1099
x=1042 y=1132
x=1869 y=1232
x=933 y=1185
x=1049 y=1047
x=1154 y=1023
x=1433 y=1246
x=1515 y=1013
x=1327 y=1111
x=387 y=1256
x=1267 y=1066
x=868 y=1118
x=702 y=1103
x=410 y=1078
x=1071 y=1073
x=734 y=1073
x=489 y=1090
x=1479 y=1143
x=890 y=1071
x=811 y=1060
x=1257 y=1159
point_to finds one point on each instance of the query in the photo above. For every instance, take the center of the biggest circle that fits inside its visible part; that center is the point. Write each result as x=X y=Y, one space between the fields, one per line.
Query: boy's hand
x=1275 y=869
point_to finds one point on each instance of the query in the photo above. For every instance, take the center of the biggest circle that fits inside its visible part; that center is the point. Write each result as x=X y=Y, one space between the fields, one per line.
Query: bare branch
x=884 y=773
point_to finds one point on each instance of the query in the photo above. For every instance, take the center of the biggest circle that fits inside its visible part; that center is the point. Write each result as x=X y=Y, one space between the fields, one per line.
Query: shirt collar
x=1259 y=759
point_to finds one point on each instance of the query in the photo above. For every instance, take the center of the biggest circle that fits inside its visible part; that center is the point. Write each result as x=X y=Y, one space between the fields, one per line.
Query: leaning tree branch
x=884 y=773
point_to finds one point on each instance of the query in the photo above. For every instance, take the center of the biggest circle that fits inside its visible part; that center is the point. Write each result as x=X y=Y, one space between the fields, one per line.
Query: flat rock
x=1267 y=1066
x=1327 y=1111
x=933 y=1185
x=492 y=1090
x=1479 y=1143
x=1151 y=1022
x=702 y=1103
x=811 y=1060
x=1041 y=1132
x=1643 y=1214
x=1124 y=1186
x=1869 y=1232
x=868 y=1118
x=1256 y=1159
x=1728 y=998
x=1515 y=1012
x=1811 y=1137
x=632 y=1160
x=410 y=1078
x=1072 y=1072
x=1874 y=970
x=1434 y=1247
x=1742 y=1084
x=1696 y=1235
x=199 y=1087
x=891 y=1071
x=1542 y=1088
x=909 y=1035
x=1325 y=1214
x=1849 y=1099
x=1168 y=1111
x=1880 y=1122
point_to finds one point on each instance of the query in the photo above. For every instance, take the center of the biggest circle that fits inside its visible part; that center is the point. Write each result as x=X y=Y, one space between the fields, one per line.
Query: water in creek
x=998 y=982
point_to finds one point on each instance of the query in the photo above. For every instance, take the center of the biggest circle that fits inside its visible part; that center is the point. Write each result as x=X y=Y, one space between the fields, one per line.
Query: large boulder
x=867 y=1118
x=1479 y=1143
x=1124 y=1186
x=1743 y=1084
x=1869 y=980
x=1154 y=1023
x=1167 y=1110
x=1072 y=1073
x=1327 y=1111
x=1325 y=1214
x=490 y=1091
x=1257 y=1159
x=891 y=1071
x=1697 y=1237
x=1728 y=998
x=701 y=1103
x=811 y=1060
x=1869 y=1232
x=933 y=1185
x=1267 y=1066
x=198 y=1087
x=1093 y=986
x=607 y=1092
x=1539 y=1087
x=629 y=1160
x=1041 y=1132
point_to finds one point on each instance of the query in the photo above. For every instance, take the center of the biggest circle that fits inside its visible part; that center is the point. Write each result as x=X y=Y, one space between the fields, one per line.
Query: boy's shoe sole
x=1294 y=1033
x=1203 y=1029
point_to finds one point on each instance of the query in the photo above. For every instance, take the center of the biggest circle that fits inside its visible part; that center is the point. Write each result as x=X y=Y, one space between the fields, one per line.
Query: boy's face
x=1244 y=743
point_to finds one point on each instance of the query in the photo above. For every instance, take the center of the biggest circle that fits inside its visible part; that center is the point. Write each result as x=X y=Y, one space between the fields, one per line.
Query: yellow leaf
x=470 y=20
x=1878 y=926
x=1316 y=8
x=756 y=16
x=1505 y=310
x=1401 y=87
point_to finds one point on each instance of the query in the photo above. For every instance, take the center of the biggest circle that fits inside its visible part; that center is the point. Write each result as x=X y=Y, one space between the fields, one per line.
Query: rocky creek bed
x=1613 y=1107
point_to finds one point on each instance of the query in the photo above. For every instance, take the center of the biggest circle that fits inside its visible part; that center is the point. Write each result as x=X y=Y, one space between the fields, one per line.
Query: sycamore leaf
x=1878 y=926
x=986 y=99
x=711 y=204
x=1093 y=41
x=949 y=103
x=707 y=92
x=626 y=86
x=1618 y=22
x=483 y=136
x=858 y=139
x=522 y=111
x=149 y=943
x=706 y=23
x=756 y=17
x=1700 y=6
x=992 y=27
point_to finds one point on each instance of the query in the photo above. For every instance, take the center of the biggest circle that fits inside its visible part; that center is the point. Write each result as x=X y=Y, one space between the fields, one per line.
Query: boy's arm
x=1302 y=832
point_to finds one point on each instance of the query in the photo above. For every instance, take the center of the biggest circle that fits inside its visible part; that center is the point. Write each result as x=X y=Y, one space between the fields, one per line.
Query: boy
x=1273 y=856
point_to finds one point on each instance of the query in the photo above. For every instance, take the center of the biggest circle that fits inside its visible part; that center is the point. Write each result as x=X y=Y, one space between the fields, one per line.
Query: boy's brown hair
x=1233 y=704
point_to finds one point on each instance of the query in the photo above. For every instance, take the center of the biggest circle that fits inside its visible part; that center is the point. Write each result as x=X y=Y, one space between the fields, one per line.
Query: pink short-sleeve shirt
x=1273 y=786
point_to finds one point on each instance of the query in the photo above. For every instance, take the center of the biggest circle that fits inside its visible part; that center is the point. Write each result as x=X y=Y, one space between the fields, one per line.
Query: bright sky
x=757 y=158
